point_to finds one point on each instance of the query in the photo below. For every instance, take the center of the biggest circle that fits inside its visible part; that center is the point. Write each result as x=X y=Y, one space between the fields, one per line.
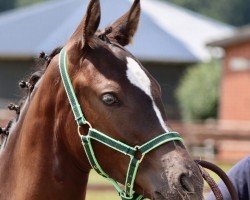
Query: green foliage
x=10 y=4
x=27 y=2
x=7 y=5
x=198 y=91
x=235 y=12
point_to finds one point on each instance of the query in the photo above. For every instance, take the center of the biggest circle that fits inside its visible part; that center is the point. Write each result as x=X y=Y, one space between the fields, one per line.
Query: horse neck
x=38 y=161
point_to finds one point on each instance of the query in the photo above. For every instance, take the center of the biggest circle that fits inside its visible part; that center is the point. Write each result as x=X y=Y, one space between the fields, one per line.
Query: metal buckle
x=137 y=148
x=79 y=128
x=124 y=196
x=90 y=126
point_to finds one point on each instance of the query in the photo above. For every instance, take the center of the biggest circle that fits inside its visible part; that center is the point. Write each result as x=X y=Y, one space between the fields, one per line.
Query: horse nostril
x=186 y=183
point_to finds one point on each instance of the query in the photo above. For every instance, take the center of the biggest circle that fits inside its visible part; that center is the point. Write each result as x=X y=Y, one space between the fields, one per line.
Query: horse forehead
x=137 y=76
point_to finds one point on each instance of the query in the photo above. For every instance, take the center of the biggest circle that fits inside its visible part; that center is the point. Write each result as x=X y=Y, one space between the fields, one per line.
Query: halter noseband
x=93 y=134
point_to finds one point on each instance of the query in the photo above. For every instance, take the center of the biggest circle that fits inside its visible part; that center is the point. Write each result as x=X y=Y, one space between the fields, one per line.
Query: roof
x=166 y=33
x=240 y=36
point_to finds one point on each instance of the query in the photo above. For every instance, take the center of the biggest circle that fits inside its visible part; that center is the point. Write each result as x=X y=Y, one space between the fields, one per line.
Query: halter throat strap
x=93 y=134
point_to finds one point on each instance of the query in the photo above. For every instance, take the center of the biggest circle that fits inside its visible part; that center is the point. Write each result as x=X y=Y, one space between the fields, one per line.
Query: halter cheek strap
x=93 y=134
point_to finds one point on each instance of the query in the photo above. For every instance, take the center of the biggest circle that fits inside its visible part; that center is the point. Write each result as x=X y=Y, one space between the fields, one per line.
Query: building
x=169 y=39
x=231 y=134
x=235 y=84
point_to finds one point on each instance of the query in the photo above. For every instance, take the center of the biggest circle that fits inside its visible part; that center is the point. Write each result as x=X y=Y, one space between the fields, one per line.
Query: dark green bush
x=198 y=91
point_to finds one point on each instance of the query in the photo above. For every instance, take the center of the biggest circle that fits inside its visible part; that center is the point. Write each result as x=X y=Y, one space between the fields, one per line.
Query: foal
x=44 y=157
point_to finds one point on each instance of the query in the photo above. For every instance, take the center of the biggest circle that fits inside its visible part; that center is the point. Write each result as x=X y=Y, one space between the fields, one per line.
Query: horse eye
x=110 y=99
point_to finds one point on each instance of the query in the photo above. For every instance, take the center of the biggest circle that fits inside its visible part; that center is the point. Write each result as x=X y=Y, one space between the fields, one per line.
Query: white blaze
x=139 y=78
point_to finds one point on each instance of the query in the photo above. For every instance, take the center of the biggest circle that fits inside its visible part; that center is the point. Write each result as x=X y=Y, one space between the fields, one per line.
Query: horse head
x=120 y=98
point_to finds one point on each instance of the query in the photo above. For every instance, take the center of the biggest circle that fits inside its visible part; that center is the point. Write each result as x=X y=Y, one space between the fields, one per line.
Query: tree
x=10 y=4
x=27 y=2
x=235 y=12
x=7 y=5
x=198 y=92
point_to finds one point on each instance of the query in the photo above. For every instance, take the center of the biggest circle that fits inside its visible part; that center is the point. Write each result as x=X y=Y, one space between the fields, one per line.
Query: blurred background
x=198 y=50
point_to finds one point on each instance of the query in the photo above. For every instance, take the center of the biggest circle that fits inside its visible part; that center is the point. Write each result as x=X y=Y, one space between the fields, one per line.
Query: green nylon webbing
x=86 y=140
x=161 y=139
x=131 y=173
x=76 y=108
x=93 y=134
x=94 y=163
x=123 y=148
x=112 y=143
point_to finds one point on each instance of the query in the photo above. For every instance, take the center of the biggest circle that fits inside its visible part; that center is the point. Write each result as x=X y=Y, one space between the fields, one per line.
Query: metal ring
x=137 y=148
x=90 y=126
x=78 y=130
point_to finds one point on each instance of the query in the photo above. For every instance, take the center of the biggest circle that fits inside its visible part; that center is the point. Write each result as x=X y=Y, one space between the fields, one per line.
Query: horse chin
x=175 y=177
x=158 y=196
x=176 y=193
x=176 y=196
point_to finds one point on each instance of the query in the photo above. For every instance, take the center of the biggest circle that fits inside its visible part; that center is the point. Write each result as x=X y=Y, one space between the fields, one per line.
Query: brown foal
x=43 y=157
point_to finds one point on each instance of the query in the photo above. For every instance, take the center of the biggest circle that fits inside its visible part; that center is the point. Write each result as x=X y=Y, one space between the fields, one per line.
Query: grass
x=96 y=179
x=224 y=167
x=109 y=194
x=102 y=195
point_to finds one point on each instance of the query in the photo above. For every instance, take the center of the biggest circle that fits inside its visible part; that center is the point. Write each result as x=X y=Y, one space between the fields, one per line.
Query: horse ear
x=123 y=30
x=89 y=24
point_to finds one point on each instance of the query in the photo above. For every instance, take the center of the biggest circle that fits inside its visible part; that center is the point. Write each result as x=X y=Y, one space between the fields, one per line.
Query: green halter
x=93 y=134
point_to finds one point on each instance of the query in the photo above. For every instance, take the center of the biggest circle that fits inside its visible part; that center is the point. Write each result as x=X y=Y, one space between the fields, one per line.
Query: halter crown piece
x=93 y=134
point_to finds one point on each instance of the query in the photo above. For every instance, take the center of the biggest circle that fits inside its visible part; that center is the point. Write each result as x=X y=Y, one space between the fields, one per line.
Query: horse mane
x=41 y=66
